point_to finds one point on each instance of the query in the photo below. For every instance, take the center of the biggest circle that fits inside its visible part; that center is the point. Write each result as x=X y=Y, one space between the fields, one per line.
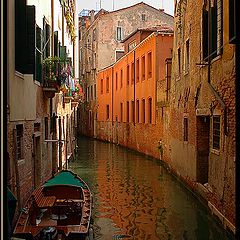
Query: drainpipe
x=60 y=143
x=209 y=76
x=112 y=93
x=134 y=86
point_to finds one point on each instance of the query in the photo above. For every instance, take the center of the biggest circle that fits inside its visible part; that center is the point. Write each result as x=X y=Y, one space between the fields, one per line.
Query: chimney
x=161 y=10
x=92 y=16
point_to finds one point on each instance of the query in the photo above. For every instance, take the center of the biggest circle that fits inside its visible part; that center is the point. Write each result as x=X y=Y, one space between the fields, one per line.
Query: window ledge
x=214 y=151
x=20 y=75
x=216 y=58
x=37 y=83
x=186 y=72
x=178 y=78
x=185 y=142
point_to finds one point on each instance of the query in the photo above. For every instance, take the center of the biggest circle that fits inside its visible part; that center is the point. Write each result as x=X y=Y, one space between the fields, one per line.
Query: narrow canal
x=136 y=198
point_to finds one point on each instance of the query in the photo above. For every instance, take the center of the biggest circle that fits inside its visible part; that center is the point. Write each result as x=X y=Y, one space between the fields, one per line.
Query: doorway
x=203 y=131
x=37 y=162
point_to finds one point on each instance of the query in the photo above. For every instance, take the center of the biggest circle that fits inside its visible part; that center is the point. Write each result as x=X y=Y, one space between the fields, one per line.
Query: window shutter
x=48 y=40
x=20 y=35
x=56 y=44
x=205 y=33
x=39 y=47
x=232 y=21
x=30 y=41
x=63 y=54
x=219 y=27
x=213 y=30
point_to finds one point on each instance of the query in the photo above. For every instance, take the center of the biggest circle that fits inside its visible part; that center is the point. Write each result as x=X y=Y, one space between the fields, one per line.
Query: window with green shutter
x=30 y=52
x=20 y=35
x=39 y=46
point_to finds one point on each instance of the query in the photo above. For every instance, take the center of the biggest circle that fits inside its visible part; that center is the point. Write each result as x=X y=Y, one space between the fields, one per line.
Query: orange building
x=128 y=92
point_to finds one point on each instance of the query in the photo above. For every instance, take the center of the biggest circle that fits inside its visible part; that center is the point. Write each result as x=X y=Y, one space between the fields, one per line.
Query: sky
x=111 y=5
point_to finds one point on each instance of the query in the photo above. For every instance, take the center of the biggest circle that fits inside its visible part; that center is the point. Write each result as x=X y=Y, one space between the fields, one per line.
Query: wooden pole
x=66 y=141
x=16 y=169
x=60 y=143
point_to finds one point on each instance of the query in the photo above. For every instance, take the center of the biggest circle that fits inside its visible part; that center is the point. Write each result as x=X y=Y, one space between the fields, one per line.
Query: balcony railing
x=56 y=72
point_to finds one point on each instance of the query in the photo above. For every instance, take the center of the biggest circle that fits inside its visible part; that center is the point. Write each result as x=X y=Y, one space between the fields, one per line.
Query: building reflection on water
x=136 y=198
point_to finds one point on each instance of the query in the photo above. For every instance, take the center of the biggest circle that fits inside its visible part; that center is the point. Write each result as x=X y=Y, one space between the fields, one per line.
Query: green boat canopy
x=65 y=178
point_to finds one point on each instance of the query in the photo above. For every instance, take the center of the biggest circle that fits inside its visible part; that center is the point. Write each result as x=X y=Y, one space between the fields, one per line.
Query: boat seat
x=41 y=200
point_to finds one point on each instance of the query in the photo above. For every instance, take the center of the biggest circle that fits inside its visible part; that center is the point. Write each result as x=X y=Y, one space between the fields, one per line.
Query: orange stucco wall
x=135 y=89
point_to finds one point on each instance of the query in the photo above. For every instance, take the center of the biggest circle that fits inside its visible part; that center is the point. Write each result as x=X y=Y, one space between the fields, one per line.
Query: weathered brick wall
x=206 y=94
x=26 y=165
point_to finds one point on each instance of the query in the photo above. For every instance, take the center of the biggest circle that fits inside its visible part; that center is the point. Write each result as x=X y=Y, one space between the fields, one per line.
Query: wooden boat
x=60 y=209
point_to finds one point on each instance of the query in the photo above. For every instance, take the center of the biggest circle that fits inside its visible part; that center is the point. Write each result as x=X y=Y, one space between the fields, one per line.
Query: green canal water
x=135 y=197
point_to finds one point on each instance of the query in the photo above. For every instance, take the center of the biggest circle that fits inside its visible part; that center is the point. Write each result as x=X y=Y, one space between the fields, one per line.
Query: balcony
x=56 y=72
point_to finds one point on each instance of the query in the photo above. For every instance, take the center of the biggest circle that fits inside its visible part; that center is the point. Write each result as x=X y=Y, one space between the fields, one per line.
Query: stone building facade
x=202 y=103
x=100 y=45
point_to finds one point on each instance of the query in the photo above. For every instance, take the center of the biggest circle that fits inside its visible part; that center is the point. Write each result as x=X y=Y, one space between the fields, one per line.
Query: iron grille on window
x=216 y=132
x=19 y=141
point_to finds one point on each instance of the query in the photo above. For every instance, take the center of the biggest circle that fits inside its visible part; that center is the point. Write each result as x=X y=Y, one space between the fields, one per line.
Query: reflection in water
x=136 y=198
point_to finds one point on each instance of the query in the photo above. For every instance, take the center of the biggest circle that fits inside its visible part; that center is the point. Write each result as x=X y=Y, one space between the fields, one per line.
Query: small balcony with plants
x=57 y=72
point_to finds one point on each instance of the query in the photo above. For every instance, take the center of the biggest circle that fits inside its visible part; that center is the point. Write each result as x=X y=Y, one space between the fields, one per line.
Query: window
x=212 y=17
x=132 y=72
x=94 y=34
x=150 y=110
x=185 y=129
x=88 y=93
x=107 y=112
x=116 y=81
x=143 y=17
x=143 y=68
x=149 y=64
x=38 y=54
x=205 y=33
x=133 y=112
x=143 y=111
x=168 y=63
x=128 y=72
x=137 y=70
x=137 y=111
x=216 y=133
x=119 y=33
x=101 y=86
x=232 y=21
x=46 y=127
x=179 y=61
x=187 y=56
x=107 y=85
x=121 y=78
x=91 y=93
x=119 y=54
x=89 y=119
x=19 y=136
x=132 y=45
x=121 y=112
x=127 y=111
x=95 y=92
x=25 y=38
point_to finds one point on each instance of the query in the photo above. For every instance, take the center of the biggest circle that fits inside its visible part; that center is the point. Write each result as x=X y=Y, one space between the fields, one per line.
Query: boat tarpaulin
x=65 y=178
